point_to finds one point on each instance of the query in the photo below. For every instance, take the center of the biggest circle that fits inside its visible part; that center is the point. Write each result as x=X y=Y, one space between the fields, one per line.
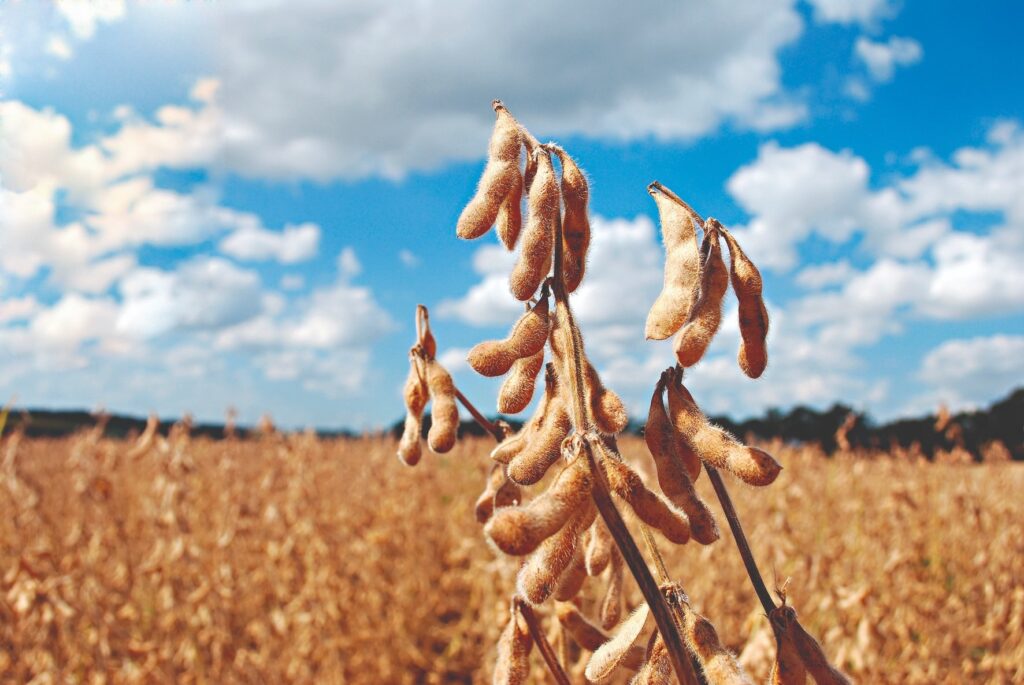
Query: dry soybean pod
x=788 y=668
x=649 y=507
x=512 y=666
x=520 y=529
x=501 y=174
x=719 y=664
x=599 y=548
x=575 y=222
x=517 y=389
x=753 y=316
x=511 y=447
x=571 y=582
x=510 y=216
x=612 y=653
x=716 y=446
x=665 y=446
x=657 y=669
x=416 y=397
x=590 y=637
x=527 y=337
x=682 y=267
x=611 y=605
x=706 y=316
x=544 y=446
x=444 y=413
x=424 y=337
x=813 y=657
x=609 y=412
x=664 y=443
x=538 y=239
x=499 y=492
x=539 y=576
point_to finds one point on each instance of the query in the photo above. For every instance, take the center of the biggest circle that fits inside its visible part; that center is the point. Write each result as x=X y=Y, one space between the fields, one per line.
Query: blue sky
x=204 y=204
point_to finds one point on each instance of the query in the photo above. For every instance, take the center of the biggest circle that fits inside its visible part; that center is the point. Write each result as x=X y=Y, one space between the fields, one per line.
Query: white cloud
x=83 y=18
x=408 y=259
x=205 y=293
x=17 y=309
x=851 y=11
x=291 y=245
x=365 y=88
x=58 y=47
x=882 y=59
x=966 y=373
x=821 y=275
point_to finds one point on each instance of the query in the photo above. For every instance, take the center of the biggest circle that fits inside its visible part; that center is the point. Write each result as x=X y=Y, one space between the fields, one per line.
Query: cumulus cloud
x=882 y=58
x=291 y=245
x=205 y=293
x=851 y=11
x=969 y=372
x=373 y=92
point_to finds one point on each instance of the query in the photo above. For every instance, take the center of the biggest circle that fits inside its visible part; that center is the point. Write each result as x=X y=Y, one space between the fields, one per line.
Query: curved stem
x=543 y=646
x=741 y=539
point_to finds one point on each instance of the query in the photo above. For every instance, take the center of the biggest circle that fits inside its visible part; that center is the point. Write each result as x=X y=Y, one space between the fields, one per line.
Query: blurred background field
x=301 y=559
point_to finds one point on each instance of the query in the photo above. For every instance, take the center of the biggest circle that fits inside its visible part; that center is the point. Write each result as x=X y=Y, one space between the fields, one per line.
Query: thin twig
x=494 y=429
x=741 y=539
x=543 y=646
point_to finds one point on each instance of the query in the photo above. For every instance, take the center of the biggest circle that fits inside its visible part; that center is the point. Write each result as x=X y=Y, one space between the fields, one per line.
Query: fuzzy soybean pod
x=611 y=604
x=510 y=448
x=571 y=582
x=499 y=492
x=520 y=529
x=810 y=652
x=590 y=637
x=657 y=670
x=444 y=413
x=575 y=222
x=611 y=654
x=753 y=316
x=719 y=664
x=682 y=267
x=517 y=390
x=544 y=445
x=538 y=238
x=706 y=315
x=424 y=337
x=527 y=338
x=667 y=447
x=510 y=216
x=416 y=396
x=599 y=548
x=788 y=668
x=512 y=666
x=649 y=507
x=714 y=445
x=544 y=568
x=609 y=412
x=501 y=175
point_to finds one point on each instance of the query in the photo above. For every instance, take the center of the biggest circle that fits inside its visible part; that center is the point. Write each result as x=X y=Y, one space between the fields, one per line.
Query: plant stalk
x=494 y=429
x=543 y=646
x=601 y=492
x=741 y=539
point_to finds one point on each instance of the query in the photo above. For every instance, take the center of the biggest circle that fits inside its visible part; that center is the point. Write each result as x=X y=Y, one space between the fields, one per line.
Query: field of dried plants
x=292 y=559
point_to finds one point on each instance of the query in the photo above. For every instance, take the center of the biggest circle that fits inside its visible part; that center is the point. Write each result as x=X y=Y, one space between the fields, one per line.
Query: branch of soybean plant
x=638 y=567
x=494 y=429
x=543 y=646
x=741 y=539
x=601 y=492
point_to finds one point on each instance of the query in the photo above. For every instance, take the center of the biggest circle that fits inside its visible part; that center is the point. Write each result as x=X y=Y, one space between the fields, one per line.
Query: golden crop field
x=292 y=559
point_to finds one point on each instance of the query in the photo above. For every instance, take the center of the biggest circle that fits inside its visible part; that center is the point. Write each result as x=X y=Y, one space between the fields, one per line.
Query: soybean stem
x=543 y=646
x=488 y=426
x=741 y=539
